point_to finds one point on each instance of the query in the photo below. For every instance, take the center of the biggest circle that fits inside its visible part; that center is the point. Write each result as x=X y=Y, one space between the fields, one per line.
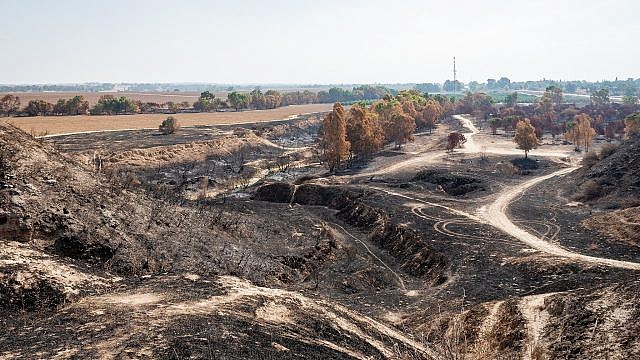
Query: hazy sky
x=327 y=41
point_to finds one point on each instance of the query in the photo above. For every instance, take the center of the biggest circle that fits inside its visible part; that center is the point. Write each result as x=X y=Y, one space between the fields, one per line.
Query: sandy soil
x=86 y=123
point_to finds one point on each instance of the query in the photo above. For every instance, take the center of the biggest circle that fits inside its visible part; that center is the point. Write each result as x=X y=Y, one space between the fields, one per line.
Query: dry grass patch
x=70 y=124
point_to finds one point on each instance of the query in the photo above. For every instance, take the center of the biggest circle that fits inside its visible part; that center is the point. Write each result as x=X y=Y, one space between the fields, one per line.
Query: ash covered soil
x=233 y=243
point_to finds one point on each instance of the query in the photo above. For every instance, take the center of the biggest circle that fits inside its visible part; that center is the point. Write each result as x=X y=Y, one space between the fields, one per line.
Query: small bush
x=169 y=125
x=506 y=168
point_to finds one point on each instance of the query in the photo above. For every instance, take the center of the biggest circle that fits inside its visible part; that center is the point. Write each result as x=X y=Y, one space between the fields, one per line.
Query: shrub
x=169 y=125
x=506 y=168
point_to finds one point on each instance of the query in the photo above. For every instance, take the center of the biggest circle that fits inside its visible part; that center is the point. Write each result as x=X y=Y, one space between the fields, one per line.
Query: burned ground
x=613 y=181
x=145 y=250
x=452 y=184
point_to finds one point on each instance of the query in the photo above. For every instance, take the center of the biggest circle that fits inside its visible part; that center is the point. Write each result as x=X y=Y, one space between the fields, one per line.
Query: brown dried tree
x=455 y=140
x=431 y=113
x=363 y=132
x=335 y=144
x=400 y=128
x=525 y=136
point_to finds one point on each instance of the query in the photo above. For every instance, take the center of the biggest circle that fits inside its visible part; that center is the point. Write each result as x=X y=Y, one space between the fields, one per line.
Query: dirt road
x=496 y=215
x=471 y=146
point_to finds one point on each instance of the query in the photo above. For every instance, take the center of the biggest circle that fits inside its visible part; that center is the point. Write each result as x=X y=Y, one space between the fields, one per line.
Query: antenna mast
x=454 y=76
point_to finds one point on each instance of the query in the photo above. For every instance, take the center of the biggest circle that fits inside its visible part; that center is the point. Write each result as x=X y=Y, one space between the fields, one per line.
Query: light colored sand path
x=533 y=310
x=496 y=215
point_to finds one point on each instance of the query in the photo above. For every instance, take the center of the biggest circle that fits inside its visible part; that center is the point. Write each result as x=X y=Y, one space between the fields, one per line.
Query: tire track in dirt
x=495 y=214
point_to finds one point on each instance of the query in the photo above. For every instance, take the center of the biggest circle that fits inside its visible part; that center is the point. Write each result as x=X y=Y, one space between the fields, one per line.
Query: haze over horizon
x=305 y=42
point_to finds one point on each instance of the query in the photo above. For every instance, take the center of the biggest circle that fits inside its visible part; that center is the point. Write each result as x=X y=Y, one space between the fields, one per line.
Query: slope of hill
x=614 y=180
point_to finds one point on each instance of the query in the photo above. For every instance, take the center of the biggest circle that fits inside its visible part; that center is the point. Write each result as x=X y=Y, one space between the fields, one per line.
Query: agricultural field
x=50 y=125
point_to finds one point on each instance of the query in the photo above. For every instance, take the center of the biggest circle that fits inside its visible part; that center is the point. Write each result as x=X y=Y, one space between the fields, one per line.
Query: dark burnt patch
x=452 y=183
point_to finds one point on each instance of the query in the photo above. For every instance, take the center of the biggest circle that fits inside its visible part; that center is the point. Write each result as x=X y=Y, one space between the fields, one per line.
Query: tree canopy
x=525 y=136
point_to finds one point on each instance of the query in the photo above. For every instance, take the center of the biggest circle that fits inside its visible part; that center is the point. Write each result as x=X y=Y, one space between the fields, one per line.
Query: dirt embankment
x=610 y=182
x=597 y=323
x=411 y=251
x=613 y=179
x=452 y=184
x=622 y=226
x=69 y=215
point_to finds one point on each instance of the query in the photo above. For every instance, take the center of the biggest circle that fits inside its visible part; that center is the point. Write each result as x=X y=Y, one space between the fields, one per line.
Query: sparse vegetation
x=169 y=126
x=455 y=140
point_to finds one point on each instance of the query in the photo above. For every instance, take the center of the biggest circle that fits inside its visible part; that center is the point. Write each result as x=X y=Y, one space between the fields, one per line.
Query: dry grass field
x=92 y=97
x=70 y=124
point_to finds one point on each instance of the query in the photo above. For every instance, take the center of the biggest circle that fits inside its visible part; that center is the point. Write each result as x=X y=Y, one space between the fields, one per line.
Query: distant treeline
x=207 y=102
x=58 y=88
x=627 y=87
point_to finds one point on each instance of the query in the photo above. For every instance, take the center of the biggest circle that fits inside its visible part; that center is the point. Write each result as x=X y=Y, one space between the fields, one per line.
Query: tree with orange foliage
x=409 y=108
x=335 y=144
x=582 y=133
x=363 y=132
x=400 y=128
x=431 y=113
x=455 y=140
x=525 y=136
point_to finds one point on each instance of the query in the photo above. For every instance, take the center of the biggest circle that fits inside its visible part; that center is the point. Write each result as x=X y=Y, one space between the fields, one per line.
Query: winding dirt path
x=496 y=215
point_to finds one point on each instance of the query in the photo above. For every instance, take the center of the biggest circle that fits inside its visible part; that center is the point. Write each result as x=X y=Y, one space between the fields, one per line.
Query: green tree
x=600 y=97
x=38 y=107
x=238 y=100
x=511 y=100
x=169 y=125
x=257 y=99
x=206 y=102
x=555 y=94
